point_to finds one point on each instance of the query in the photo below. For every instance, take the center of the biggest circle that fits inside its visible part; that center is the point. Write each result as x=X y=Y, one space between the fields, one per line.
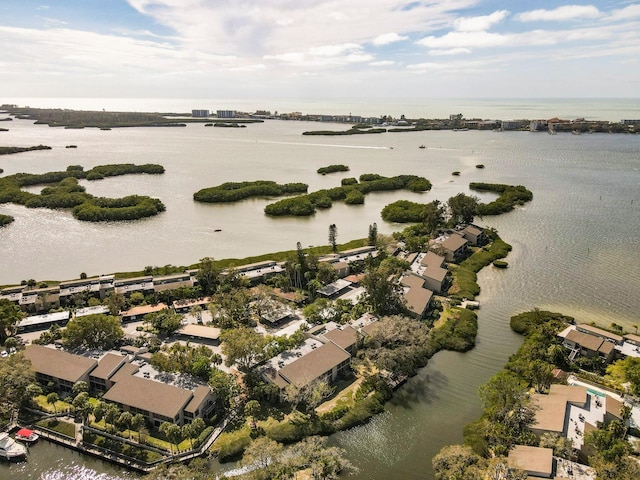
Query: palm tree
x=136 y=423
x=173 y=433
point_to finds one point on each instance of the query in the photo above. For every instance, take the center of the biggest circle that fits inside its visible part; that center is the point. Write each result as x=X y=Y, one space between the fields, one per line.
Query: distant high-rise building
x=226 y=114
x=199 y=113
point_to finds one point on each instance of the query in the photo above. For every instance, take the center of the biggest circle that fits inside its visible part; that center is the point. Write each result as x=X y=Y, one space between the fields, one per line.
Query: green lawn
x=60 y=405
x=65 y=428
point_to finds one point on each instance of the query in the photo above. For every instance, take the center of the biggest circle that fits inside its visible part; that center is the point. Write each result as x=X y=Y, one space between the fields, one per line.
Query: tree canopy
x=93 y=331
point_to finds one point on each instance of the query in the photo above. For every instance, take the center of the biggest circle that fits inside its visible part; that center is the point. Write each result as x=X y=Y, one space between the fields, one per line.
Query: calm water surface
x=575 y=245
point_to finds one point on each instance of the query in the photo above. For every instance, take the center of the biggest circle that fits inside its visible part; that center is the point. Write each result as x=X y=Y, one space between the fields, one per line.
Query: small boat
x=9 y=448
x=422 y=146
x=26 y=435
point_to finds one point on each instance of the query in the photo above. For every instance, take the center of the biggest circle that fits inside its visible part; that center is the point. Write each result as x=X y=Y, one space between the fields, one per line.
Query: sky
x=360 y=49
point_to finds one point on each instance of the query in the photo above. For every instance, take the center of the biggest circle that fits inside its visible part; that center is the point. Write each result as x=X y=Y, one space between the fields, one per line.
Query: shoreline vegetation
x=66 y=193
x=352 y=192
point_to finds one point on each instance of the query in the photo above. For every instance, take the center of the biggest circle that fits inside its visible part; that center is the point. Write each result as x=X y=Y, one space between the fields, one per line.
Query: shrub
x=354 y=197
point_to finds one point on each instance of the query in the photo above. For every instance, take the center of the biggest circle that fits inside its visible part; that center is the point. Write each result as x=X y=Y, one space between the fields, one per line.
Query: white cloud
x=450 y=51
x=477 y=24
x=388 y=38
x=626 y=13
x=566 y=12
x=334 y=50
x=465 y=40
x=382 y=63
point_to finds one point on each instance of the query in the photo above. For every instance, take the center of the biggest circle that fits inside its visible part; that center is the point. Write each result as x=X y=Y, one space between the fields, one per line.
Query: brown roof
x=436 y=273
x=411 y=257
x=144 y=309
x=156 y=397
x=124 y=371
x=314 y=364
x=472 y=229
x=432 y=259
x=534 y=460
x=370 y=328
x=613 y=406
x=572 y=394
x=199 y=394
x=355 y=278
x=454 y=242
x=550 y=414
x=418 y=299
x=59 y=364
x=633 y=338
x=211 y=333
x=590 y=342
x=606 y=348
x=599 y=331
x=344 y=337
x=107 y=366
x=411 y=280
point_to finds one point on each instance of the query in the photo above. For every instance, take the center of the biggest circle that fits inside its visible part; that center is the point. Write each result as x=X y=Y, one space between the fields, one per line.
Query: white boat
x=26 y=435
x=9 y=448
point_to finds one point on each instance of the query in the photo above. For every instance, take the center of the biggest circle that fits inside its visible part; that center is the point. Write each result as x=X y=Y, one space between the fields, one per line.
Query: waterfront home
x=475 y=235
x=131 y=384
x=97 y=287
x=454 y=247
x=429 y=266
x=171 y=282
x=256 y=272
x=344 y=336
x=572 y=411
x=160 y=402
x=416 y=297
x=61 y=368
x=535 y=461
x=312 y=361
x=137 y=313
x=136 y=284
x=40 y=300
x=590 y=342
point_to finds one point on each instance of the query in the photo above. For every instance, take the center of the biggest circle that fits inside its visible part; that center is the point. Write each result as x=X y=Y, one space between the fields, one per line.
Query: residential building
x=97 y=287
x=417 y=298
x=60 y=368
x=590 y=342
x=171 y=282
x=475 y=235
x=226 y=113
x=127 y=384
x=199 y=113
x=137 y=284
x=454 y=247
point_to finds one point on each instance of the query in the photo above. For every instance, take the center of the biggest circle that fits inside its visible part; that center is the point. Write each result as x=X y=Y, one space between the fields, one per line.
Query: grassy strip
x=351 y=131
x=465 y=279
x=64 y=428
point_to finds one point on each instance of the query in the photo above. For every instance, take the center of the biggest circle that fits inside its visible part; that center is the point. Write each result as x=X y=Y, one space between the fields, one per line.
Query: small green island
x=11 y=150
x=66 y=193
x=350 y=193
x=236 y=191
x=404 y=211
x=333 y=169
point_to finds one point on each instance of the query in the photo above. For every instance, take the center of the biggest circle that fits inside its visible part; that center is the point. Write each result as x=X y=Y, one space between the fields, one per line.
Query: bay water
x=575 y=245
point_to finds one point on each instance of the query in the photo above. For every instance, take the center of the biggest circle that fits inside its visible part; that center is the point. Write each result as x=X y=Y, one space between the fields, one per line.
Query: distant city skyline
x=278 y=49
